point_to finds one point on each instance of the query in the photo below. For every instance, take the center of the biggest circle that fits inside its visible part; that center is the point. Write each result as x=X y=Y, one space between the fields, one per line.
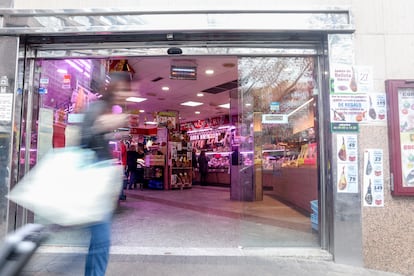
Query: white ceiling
x=148 y=69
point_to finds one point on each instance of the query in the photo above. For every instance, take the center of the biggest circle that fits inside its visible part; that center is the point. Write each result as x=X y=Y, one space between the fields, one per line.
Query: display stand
x=154 y=171
x=180 y=169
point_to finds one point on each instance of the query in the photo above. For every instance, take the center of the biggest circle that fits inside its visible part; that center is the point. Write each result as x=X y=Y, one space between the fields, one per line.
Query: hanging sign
x=66 y=78
x=274 y=119
x=44 y=81
x=66 y=81
x=167 y=119
x=275 y=106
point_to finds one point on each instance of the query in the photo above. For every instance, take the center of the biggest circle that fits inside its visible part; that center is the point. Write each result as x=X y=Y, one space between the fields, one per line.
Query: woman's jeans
x=98 y=254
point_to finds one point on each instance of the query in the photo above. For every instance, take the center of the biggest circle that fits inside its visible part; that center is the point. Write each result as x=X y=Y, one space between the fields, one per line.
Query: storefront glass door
x=273 y=137
x=277 y=143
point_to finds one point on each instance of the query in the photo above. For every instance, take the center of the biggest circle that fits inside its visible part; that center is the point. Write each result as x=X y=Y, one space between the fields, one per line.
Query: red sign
x=143 y=131
x=66 y=78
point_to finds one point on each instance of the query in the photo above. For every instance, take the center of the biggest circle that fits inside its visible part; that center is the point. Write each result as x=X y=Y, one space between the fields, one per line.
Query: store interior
x=208 y=104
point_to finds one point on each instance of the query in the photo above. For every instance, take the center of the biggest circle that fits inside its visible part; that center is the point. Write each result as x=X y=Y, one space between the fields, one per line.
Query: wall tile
x=370 y=50
x=399 y=55
x=398 y=18
x=368 y=16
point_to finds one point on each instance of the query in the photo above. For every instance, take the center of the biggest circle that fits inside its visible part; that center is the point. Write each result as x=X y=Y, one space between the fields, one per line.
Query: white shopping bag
x=67 y=187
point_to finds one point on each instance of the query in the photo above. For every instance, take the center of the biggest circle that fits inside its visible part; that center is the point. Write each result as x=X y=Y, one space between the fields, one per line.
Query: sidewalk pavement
x=198 y=232
x=65 y=264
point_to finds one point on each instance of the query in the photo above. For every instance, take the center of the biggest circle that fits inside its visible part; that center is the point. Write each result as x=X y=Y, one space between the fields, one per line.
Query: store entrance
x=255 y=118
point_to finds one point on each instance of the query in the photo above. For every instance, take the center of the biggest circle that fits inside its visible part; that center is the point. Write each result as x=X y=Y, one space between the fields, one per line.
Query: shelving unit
x=180 y=169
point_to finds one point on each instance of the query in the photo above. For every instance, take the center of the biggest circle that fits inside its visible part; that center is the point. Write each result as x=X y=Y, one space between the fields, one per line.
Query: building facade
x=377 y=35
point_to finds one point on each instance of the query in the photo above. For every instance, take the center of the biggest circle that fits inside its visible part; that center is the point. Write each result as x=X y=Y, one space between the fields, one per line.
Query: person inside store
x=203 y=167
x=194 y=164
x=140 y=166
x=98 y=123
x=132 y=164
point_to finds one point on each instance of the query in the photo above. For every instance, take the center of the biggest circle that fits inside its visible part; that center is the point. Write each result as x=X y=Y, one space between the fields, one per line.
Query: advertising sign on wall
x=362 y=108
x=351 y=79
x=373 y=189
x=347 y=169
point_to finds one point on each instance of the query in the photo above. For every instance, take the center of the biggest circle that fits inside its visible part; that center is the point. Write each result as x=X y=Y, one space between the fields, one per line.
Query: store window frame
x=267 y=48
x=399 y=94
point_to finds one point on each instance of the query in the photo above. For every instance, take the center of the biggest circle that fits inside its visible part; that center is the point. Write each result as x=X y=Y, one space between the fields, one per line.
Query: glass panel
x=8 y=56
x=277 y=141
x=272 y=136
x=406 y=115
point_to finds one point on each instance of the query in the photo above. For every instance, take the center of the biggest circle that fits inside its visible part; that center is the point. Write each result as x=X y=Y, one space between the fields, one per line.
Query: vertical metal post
x=28 y=128
x=8 y=73
x=346 y=207
x=325 y=202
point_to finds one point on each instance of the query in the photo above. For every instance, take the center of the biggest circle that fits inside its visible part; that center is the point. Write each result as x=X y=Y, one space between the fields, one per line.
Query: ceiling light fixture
x=191 y=103
x=200 y=94
x=135 y=99
x=209 y=72
x=197 y=112
x=183 y=72
x=227 y=105
x=62 y=71
x=165 y=88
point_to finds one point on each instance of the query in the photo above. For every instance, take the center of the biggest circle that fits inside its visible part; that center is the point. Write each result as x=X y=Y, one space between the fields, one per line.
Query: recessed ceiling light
x=62 y=71
x=200 y=94
x=248 y=104
x=165 y=88
x=135 y=99
x=191 y=103
x=209 y=72
x=227 y=105
x=197 y=112
x=141 y=111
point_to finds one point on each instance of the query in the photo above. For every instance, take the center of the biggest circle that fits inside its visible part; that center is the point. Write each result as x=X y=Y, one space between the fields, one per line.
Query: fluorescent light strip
x=300 y=107
x=186 y=70
x=74 y=65
x=87 y=65
x=227 y=105
x=191 y=103
x=135 y=99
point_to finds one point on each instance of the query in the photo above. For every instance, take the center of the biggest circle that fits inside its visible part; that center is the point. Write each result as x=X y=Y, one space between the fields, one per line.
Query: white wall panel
x=368 y=16
x=370 y=50
x=398 y=16
x=399 y=53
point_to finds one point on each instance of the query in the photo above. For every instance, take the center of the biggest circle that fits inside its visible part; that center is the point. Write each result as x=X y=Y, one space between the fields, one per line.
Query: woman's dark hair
x=118 y=81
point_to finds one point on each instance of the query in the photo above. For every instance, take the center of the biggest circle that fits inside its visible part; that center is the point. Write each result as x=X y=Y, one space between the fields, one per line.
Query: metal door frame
x=59 y=34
